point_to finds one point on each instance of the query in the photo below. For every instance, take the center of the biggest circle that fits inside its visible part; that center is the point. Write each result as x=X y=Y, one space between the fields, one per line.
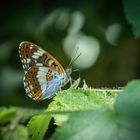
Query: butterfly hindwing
x=31 y=83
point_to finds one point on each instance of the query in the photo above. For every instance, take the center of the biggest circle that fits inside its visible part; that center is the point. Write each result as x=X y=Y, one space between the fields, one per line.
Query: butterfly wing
x=32 y=55
x=44 y=75
x=41 y=83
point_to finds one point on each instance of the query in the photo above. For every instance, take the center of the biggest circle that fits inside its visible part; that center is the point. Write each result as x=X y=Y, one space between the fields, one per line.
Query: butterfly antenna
x=74 y=57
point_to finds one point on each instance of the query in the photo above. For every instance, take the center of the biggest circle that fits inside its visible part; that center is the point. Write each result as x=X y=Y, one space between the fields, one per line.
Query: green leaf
x=38 y=125
x=23 y=133
x=19 y=133
x=132 y=12
x=11 y=120
x=122 y=122
x=72 y=100
x=127 y=107
x=6 y=114
x=88 y=125
x=81 y=100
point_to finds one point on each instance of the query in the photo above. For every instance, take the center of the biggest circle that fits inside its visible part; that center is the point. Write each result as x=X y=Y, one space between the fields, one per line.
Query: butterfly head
x=68 y=71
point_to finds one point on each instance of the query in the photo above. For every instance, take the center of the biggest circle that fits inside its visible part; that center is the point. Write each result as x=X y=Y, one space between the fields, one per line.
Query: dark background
x=47 y=23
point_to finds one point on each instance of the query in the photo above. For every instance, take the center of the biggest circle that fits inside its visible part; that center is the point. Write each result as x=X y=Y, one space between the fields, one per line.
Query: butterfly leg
x=70 y=81
x=75 y=84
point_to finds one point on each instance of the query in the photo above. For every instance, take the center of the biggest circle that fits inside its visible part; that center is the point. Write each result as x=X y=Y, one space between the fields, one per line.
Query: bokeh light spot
x=88 y=46
x=113 y=33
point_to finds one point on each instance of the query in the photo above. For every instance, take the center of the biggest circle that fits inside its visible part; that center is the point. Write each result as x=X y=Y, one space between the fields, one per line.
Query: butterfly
x=44 y=75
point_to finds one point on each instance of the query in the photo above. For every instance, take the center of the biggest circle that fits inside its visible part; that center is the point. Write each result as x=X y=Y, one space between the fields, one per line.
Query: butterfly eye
x=55 y=76
x=30 y=66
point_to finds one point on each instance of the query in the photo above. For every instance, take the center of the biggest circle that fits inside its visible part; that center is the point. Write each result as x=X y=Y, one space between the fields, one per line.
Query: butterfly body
x=44 y=75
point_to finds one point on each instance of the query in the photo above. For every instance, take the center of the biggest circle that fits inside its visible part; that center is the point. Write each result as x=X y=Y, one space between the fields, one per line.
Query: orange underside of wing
x=32 y=83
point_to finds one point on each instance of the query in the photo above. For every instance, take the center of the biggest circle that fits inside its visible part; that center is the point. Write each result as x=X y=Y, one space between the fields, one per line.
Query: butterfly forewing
x=43 y=73
x=31 y=55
